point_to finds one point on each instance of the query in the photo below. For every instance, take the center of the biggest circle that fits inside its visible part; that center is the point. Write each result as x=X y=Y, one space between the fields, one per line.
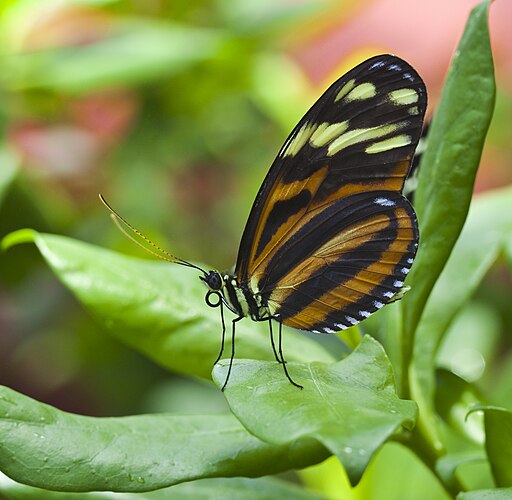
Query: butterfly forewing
x=330 y=234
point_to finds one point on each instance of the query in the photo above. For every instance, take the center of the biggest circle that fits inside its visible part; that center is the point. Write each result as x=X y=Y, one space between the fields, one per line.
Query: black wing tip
x=389 y=62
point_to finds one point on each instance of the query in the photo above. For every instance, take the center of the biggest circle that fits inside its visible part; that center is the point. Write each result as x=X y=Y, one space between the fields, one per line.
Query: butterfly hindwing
x=329 y=230
x=359 y=251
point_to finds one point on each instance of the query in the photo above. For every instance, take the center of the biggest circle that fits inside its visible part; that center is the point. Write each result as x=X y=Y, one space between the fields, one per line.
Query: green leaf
x=157 y=308
x=498 y=442
x=488 y=226
x=18 y=237
x=396 y=473
x=447 y=465
x=351 y=407
x=454 y=398
x=48 y=448
x=203 y=489
x=450 y=163
x=495 y=494
x=472 y=340
x=248 y=489
x=134 y=52
x=328 y=478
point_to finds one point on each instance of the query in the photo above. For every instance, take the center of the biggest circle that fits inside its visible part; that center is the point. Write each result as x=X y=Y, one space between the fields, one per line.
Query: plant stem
x=406 y=353
x=405 y=364
x=423 y=448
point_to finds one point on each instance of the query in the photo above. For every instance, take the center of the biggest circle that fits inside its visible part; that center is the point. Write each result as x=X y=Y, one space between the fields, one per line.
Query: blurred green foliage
x=174 y=110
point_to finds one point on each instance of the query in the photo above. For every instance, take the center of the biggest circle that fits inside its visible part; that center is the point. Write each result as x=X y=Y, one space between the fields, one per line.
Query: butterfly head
x=213 y=280
x=215 y=283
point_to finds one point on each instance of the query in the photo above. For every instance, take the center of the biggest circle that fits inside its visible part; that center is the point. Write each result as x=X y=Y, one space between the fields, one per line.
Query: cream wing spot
x=325 y=133
x=398 y=141
x=403 y=97
x=303 y=135
x=345 y=90
x=361 y=92
x=362 y=134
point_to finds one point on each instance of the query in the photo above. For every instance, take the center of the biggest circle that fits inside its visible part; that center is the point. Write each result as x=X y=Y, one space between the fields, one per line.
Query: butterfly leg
x=232 y=350
x=223 y=333
x=278 y=359
x=282 y=357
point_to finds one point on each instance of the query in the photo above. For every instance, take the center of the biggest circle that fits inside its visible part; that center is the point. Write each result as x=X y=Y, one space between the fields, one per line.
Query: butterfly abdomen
x=244 y=301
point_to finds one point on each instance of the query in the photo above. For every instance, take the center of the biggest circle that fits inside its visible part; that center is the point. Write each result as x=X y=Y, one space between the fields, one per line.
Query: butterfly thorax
x=239 y=298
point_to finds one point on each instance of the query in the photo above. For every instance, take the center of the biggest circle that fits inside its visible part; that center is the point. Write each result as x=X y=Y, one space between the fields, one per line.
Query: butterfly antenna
x=164 y=254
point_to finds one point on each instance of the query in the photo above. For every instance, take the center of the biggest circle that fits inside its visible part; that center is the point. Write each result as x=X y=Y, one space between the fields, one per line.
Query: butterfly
x=330 y=237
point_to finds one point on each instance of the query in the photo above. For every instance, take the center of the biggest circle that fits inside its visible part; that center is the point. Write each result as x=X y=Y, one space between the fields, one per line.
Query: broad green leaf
x=202 y=489
x=237 y=488
x=48 y=448
x=384 y=326
x=488 y=226
x=156 y=308
x=351 y=407
x=134 y=52
x=498 y=443
x=495 y=494
x=449 y=165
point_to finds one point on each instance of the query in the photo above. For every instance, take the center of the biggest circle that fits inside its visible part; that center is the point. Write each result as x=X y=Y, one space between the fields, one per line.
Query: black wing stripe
x=324 y=226
x=322 y=317
x=360 y=280
x=316 y=286
x=380 y=296
x=280 y=213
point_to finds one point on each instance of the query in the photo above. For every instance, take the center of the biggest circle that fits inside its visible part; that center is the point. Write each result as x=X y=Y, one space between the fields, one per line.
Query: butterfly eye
x=213 y=280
